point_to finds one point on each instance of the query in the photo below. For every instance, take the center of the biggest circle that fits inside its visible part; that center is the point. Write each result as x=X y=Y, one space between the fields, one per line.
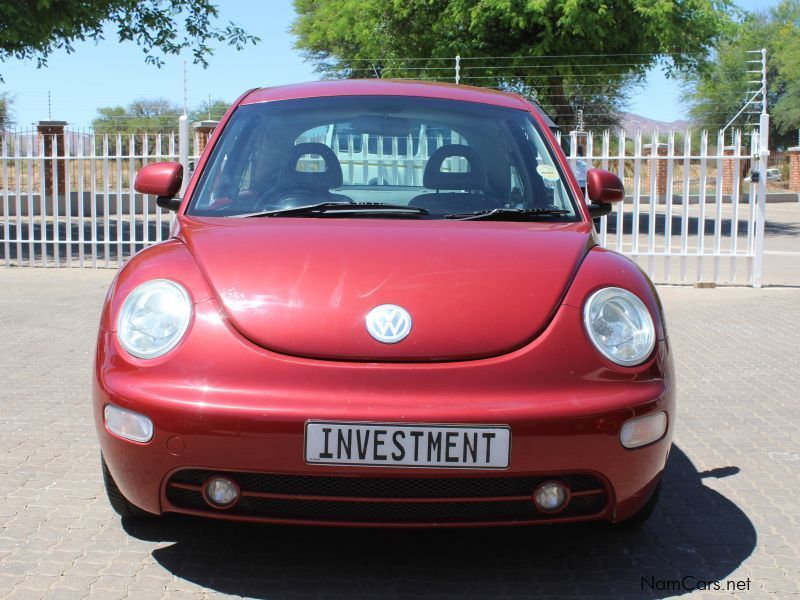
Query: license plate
x=402 y=445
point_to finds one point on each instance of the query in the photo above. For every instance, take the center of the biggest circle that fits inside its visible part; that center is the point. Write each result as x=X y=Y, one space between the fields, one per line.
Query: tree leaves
x=558 y=52
x=145 y=115
x=153 y=115
x=6 y=114
x=34 y=29
x=719 y=92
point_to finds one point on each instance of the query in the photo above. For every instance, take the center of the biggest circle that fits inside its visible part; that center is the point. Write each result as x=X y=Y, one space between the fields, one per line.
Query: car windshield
x=450 y=158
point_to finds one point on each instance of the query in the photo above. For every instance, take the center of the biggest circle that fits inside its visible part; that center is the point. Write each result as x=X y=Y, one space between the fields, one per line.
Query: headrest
x=328 y=179
x=474 y=179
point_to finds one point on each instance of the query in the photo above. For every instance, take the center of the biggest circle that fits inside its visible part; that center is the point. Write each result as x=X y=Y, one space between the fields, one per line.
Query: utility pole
x=185 y=90
x=183 y=133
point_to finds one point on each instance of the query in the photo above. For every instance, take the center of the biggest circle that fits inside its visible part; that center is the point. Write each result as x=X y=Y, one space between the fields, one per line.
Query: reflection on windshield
x=443 y=156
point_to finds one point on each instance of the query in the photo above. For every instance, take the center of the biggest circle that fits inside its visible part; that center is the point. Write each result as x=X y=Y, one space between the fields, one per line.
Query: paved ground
x=729 y=511
x=782 y=244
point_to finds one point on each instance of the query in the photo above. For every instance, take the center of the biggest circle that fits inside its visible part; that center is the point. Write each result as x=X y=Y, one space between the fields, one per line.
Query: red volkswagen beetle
x=383 y=304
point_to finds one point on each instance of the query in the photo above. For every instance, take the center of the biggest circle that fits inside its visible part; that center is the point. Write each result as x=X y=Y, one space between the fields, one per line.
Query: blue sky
x=109 y=73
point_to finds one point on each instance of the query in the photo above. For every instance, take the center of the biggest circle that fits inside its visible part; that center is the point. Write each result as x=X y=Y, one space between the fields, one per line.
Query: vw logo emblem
x=388 y=323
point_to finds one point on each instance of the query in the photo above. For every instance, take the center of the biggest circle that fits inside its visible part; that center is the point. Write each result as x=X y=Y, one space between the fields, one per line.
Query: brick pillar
x=794 y=169
x=50 y=131
x=660 y=166
x=204 y=130
x=582 y=140
x=728 y=175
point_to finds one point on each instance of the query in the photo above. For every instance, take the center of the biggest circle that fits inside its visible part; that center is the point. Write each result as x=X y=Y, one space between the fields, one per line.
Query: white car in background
x=773 y=174
x=579 y=168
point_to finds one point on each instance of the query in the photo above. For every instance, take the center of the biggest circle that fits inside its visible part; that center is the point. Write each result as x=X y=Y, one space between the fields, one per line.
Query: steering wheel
x=278 y=198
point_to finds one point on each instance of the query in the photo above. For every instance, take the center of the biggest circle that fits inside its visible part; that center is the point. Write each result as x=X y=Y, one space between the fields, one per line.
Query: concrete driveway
x=728 y=515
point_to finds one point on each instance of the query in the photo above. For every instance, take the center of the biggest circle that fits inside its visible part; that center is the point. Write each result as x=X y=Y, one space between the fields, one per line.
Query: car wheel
x=644 y=513
x=118 y=502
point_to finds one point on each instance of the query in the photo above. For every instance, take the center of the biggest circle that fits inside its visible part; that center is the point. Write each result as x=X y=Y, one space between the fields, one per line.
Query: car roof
x=386 y=87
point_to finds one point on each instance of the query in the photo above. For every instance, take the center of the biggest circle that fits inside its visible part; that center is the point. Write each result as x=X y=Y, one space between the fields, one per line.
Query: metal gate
x=690 y=214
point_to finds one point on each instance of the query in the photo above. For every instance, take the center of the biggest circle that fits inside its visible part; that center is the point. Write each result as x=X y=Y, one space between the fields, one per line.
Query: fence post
x=761 y=198
x=183 y=149
x=763 y=156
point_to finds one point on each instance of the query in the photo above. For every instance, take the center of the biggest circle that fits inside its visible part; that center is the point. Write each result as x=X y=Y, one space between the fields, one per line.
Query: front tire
x=121 y=505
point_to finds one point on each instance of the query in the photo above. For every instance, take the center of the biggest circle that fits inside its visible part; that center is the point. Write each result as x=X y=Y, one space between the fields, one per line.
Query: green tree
x=146 y=115
x=785 y=103
x=719 y=92
x=6 y=114
x=152 y=116
x=34 y=29
x=209 y=110
x=566 y=54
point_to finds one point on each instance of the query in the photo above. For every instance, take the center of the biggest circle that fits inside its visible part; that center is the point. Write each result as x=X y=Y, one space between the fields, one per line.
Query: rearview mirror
x=603 y=188
x=162 y=180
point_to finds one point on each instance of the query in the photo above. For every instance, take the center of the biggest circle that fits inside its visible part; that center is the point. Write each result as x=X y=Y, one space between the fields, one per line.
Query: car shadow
x=695 y=533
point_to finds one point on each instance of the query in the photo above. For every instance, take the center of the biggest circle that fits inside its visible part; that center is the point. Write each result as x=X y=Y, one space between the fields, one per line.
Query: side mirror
x=162 y=180
x=603 y=188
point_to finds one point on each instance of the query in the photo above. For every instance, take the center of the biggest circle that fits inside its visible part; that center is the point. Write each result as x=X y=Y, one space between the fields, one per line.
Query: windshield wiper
x=509 y=214
x=322 y=209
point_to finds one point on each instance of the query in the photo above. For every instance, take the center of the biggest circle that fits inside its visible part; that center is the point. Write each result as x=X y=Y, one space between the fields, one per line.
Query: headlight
x=153 y=318
x=619 y=325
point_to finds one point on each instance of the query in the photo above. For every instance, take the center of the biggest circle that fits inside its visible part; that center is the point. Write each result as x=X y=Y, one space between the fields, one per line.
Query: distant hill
x=632 y=122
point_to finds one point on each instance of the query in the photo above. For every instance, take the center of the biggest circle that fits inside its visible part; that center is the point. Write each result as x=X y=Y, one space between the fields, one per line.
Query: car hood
x=303 y=286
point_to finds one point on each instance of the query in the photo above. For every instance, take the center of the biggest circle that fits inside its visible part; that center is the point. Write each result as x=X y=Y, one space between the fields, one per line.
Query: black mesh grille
x=390 y=487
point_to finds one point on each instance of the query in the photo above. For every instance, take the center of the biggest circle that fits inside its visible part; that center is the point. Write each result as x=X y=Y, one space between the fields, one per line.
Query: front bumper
x=389 y=500
x=222 y=405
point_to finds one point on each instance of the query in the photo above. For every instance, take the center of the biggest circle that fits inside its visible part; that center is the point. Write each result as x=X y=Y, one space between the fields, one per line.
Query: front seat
x=305 y=186
x=450 y=201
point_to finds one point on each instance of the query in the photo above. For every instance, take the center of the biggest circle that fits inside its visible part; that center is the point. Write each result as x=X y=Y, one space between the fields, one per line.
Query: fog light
x=551 y=496
x=128 y=424
x=643 y=430
x=221 y=492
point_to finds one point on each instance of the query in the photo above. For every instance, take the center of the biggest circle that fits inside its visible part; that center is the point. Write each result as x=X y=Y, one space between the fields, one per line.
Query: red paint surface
x=160 y=179
x=278 y=338
x=474 y=289
x=603 y=186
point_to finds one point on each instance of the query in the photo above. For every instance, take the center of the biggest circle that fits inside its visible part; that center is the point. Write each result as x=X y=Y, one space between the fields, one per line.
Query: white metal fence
x=690 y=214
x=70 y=202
